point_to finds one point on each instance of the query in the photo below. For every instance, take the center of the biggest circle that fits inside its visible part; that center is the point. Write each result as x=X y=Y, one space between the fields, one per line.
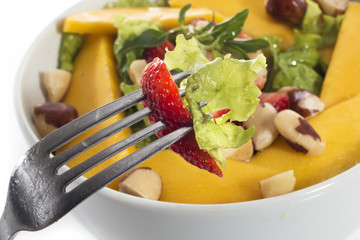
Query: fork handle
x=6 y=231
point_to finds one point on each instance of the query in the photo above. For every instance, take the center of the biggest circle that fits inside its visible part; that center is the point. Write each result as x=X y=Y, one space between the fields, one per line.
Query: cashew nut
x=56 y=83
x=278 y=184
x=298 y=133
x=265 y=130
x=242 y=153
x=136 y=70
x=142 y=182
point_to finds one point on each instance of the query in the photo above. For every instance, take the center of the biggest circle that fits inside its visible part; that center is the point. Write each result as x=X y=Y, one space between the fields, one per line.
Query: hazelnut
x=56 y=83
x=136 y=70
x=278 y=184
x=265 y=130
x=242 y=153
x=333 y=7
x=50 y=116
x=142 y=182
x=305 y=102
x=298 y=133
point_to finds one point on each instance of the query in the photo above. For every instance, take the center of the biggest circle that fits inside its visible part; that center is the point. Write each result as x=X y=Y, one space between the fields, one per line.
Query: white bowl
x=329 y=210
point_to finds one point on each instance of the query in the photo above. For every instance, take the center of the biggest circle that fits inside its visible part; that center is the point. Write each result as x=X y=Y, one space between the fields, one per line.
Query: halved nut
x=278 y=184
x=50 y=116
x=136 y=70
x=305 y=102
x=333 y=7
x=142 y=182
x=298 y=133
x=265 y=130
x=56 y=83
x=242 y=153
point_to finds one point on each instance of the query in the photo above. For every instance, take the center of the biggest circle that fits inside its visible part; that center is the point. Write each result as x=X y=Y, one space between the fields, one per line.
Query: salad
x=256 y=104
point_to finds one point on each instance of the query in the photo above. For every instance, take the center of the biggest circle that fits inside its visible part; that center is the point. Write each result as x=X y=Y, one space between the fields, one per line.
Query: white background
x=20 y=22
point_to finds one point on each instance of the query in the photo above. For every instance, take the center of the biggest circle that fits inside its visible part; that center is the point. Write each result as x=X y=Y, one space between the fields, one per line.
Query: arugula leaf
x=230 y=28
x=182 y=14
x=147 y=39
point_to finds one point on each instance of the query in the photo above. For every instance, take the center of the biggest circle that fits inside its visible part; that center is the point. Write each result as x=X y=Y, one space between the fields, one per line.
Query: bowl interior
x=42 y=56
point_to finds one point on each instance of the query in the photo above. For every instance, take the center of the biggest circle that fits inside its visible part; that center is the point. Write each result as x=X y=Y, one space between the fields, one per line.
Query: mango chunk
x=102 y=21
x=341 y=81
x=258 y=22
x=339 y=128
x=185 y=183
x=95 y=83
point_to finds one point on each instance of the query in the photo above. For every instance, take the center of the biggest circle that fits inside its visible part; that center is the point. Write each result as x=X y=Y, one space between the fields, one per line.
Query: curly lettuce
x=224 y=84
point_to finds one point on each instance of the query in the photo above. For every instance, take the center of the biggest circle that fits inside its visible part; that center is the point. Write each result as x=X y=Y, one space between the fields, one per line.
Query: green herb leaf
x=250 y=45
x=230 y=28
x=182 y=14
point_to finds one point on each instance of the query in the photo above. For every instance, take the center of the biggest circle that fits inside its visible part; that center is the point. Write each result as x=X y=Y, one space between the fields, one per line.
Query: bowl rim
x=300 y=195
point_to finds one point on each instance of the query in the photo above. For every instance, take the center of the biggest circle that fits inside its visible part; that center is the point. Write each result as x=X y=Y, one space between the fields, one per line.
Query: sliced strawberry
x=220 y=113
x=280 y=101
x=159 y=51
x=163 y=98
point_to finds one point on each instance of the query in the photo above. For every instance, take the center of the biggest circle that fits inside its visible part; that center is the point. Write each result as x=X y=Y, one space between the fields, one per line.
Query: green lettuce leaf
x=136 y=3
x=224 y=84
x=126 y=46
x=299 y=66
x=186 y=55
x=324 y=25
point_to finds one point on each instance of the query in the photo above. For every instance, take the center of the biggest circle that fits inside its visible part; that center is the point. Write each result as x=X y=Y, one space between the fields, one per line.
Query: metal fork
x=37 y=194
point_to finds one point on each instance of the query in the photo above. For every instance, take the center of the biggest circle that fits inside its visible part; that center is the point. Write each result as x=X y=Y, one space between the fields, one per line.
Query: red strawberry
x=162 y=96
x=159 y=51
x=280 y=101
x=220 y=113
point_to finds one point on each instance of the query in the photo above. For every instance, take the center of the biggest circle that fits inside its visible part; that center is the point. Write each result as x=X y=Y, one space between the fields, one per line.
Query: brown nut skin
x=289 y=11
x=50 y=116
x=333 y=7
x=305 y=102
x=142 y=182
x=298 y=133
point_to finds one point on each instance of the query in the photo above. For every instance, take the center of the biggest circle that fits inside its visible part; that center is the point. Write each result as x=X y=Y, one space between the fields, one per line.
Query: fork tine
x=117 y=169
x=101 y=135
x=96 y=159
x=69 y=131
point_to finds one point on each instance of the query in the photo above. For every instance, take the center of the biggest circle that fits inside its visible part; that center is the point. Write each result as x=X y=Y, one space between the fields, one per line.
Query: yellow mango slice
x=185 y=183
x=102 y=21
x=258 y=22
x=341 y=81
x=339 y=128
x=95 y=83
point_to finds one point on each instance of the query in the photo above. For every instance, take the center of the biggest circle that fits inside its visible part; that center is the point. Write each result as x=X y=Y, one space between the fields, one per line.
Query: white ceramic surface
x=328 y=210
